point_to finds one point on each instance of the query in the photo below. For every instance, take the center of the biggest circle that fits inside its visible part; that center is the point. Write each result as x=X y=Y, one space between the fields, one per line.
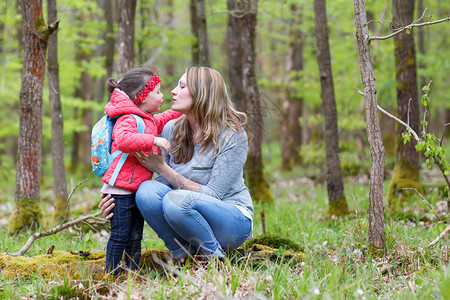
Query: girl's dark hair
x=132 y=83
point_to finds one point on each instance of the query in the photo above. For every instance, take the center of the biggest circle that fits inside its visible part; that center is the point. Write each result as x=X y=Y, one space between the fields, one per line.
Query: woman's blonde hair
x=213 y=112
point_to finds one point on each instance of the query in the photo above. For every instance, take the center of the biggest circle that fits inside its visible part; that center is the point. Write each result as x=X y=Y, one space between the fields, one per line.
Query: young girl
x=138 y=92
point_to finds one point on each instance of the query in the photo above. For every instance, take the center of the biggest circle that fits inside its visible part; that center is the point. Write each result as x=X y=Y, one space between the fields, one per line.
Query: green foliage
x=428 y=143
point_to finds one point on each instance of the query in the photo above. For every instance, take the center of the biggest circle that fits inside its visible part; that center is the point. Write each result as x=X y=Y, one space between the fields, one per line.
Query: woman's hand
x=106 y=205
x=153 y=162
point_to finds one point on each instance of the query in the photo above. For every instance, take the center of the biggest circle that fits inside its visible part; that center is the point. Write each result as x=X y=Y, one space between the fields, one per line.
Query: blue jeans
x=126 y=234
x=192 y=222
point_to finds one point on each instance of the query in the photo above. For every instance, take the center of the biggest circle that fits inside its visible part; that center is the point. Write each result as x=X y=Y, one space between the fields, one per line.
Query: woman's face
x=182 y=98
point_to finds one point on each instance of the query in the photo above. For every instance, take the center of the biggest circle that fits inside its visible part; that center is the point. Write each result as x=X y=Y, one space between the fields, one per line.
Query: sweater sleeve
x=228 y=166
x=162 y=118
x=126 y=137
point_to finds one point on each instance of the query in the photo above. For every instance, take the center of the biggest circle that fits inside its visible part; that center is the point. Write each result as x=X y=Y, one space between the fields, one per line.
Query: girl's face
x=153 y=101
x=182 y=98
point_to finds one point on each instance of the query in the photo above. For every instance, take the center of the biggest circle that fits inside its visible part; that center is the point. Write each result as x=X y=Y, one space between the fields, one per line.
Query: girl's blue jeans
x=190 y=222
x=126 y=234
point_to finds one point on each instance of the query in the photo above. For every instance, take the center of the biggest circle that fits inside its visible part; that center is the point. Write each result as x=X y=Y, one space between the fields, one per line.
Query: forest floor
x=336 y=261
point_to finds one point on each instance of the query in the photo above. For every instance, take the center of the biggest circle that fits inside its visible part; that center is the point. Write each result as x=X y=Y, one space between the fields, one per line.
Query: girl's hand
x=153 y=162
x=106 y=205
x=162 y=143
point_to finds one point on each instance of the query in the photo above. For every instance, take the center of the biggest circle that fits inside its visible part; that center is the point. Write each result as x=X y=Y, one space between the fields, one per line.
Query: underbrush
x=336 y=264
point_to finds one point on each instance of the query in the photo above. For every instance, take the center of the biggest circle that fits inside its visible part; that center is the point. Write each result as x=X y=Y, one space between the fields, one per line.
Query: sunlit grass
x=337 y=262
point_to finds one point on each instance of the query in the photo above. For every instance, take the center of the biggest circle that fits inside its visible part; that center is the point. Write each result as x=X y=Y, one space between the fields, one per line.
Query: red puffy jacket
x=128 y=140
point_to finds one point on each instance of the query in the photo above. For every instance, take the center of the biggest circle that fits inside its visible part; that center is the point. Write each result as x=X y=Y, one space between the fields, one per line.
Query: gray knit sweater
x=220 y=176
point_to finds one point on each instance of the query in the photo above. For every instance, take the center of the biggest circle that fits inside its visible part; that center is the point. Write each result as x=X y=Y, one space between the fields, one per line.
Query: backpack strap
x=123 y=158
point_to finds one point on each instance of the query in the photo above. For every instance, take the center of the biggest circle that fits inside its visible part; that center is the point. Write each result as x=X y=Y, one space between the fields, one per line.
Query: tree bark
x=85 y=91
x=241 y=59
x=376 y=212
x=292 y=109
x=27 y=211
x=105 y=50
x=200 y=47
x=125 y=38
x=57 y=140
x=406 y=170
x=337 y=204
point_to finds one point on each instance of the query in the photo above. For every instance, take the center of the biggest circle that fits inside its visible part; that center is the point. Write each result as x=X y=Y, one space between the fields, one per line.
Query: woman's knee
x=150 y=191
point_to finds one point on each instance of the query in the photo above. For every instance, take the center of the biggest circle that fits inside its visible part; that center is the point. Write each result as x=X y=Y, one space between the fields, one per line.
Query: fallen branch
x=58 y=228
x=443 y=233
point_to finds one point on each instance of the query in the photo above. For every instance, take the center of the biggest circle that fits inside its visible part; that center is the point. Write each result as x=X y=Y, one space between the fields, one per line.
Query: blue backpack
x=101 y=140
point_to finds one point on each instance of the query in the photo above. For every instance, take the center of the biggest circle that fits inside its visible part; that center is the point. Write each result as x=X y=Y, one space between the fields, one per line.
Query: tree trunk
x=27 y=211
x=406 y=170
x=291 y=132
x=125 y=38
x=57 y=140
x=200 y=48
x=107 y=49
x=170 y=66
x=337 y=203
x=82 y=139
x=376 y=213
x=244 y=90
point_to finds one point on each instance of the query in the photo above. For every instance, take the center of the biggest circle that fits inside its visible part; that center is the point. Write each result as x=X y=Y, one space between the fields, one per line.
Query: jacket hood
x=120 y=104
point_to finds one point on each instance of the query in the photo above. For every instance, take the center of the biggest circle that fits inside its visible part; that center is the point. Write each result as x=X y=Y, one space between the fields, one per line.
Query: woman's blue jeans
x=190 y=222
x=126 y=234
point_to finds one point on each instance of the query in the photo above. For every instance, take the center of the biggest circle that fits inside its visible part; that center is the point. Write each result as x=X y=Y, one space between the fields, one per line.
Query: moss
x=54 y=265
x=272 y=247
x=257 y=183
x=27 y=213
x=404 y=176
x=60 y=205
x=273 y=241
x=338 y=207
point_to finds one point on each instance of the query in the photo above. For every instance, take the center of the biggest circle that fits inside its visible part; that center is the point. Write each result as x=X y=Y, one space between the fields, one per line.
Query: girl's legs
x=206 y=222
x=133 y=249
x=149 y=201
x=126 y=234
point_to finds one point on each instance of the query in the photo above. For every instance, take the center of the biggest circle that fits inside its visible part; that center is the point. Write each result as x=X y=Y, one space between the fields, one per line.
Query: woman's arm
x=156 y=163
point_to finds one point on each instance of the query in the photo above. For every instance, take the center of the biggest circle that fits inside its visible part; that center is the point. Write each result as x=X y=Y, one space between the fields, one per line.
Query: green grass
x=337 y=261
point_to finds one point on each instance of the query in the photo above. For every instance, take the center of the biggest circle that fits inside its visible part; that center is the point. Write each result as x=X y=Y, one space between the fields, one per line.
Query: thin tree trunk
x=200 y=47
x=170 y=66
x=376 y=211
x=27 y=211
x=107 y=49
x=337 y=203
x=241 y=39
x=292 y=108
x=57 y=140
x=85 y=91
x=406 y=170
x=125 y=38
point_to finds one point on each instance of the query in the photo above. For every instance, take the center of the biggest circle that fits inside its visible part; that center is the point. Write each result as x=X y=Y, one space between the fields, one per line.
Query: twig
x=8 y=283
x=58 y=228
x=443 y=134
x=416 y=137
x=446 y=230
x=263 y=221
x=423 y=198
x=409 y=27
x=68 y=199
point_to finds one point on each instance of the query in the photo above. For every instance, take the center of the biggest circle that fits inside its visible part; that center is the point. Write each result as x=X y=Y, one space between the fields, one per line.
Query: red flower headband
x=150 y=86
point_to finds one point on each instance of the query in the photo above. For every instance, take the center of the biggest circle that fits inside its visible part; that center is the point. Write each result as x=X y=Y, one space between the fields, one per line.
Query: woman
x=198 y=203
